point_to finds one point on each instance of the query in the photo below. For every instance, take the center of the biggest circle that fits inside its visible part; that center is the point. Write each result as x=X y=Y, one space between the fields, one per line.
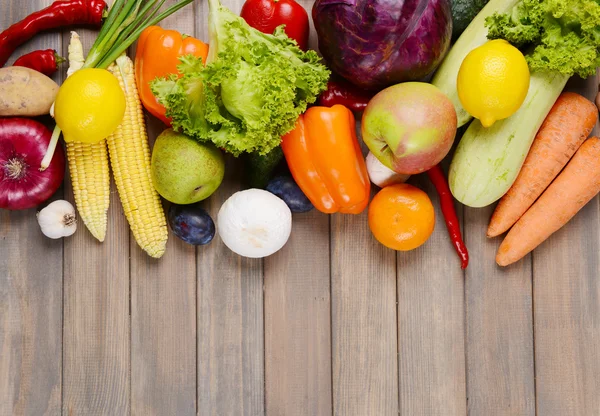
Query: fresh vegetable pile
x=257 y=92
x=251 y=90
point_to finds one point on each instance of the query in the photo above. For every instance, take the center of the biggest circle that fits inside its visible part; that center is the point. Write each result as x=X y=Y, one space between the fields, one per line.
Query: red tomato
x=266 y=15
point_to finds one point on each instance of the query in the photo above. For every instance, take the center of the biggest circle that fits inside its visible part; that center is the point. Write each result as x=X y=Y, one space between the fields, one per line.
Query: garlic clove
x=58 y=219
x=381 y=175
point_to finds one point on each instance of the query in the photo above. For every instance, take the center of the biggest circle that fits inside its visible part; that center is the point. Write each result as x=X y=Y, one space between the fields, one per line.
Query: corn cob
x=88 y=165
x=130 y=162
x=90 y=179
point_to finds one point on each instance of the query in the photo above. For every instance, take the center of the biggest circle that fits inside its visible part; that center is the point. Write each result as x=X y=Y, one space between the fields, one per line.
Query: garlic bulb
x=57 y=219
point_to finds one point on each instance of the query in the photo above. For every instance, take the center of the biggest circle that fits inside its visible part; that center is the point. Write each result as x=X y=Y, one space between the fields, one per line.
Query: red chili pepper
x=340 y=91
x=266 y=15
x=58 y=14
x=44 y=61
x=437 y=177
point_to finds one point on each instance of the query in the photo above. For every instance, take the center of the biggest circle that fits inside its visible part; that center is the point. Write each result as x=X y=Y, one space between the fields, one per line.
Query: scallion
x=125 y=22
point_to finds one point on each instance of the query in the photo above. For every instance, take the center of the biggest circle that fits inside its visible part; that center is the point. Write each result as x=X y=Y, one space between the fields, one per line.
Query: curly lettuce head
x=251 y=91
x=557 y=35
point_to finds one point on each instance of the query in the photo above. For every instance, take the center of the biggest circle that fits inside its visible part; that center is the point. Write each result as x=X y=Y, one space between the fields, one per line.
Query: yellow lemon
x=89 y=105
x=493 y=81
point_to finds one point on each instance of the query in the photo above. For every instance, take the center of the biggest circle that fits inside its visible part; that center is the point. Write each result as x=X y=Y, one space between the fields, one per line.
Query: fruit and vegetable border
x=414 y=73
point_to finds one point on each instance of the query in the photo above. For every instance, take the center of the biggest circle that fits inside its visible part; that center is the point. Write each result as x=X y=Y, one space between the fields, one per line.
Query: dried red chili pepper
x=437 y=177
x=45 y=61
x=59 y=14
x=340 y=91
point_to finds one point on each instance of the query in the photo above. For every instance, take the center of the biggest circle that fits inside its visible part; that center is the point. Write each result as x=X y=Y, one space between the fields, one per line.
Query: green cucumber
x=488 y=160
x=259 y=168
x=475 y=35
x=463 y=12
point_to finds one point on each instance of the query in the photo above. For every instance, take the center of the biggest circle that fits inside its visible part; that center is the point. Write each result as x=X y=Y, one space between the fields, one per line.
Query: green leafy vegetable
x=251 y=91
x=559 y=35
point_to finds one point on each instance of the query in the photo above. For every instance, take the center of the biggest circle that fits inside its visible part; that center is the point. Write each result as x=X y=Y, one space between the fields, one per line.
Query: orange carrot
x=576 y=185
x=568 y=124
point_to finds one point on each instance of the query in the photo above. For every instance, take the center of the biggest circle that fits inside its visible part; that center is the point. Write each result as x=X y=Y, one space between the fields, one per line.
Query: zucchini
x=488 y=160
x=475 y=35
x=463 y=12
x=259 y=168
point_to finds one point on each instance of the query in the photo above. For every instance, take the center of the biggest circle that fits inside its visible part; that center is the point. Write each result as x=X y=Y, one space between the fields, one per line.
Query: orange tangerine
x=401 y=217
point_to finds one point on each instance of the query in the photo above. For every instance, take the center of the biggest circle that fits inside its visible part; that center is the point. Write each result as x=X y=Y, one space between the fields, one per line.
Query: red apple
x=409 y=127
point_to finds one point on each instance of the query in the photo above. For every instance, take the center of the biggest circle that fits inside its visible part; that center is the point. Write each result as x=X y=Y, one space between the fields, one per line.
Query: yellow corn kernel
x=130 y=162
x=90 y=179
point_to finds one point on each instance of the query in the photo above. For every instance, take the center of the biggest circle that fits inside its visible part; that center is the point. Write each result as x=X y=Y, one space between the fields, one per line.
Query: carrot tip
x=502 y=262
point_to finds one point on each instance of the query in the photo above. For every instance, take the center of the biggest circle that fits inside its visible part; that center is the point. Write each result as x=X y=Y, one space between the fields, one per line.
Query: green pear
x=185 y=171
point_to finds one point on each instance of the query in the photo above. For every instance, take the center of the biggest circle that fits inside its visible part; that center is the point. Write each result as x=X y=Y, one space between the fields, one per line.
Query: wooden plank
x=567 y=309
x=230 y=306
x=163 y=331
x=30 y=317
x=96 y=340
x=298 y=315
x=230 y=323
x=499 y=337
x=363 y=320
x=163 y=309
x=431 y=323
x=30 y=286
x=297 y=321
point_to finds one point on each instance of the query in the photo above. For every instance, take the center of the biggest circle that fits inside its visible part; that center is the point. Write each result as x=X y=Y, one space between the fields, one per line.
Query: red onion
x=23 y=143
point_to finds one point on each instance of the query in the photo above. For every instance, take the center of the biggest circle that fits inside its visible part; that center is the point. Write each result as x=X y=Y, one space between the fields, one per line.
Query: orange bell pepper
x=326 y=161
x=157 y=55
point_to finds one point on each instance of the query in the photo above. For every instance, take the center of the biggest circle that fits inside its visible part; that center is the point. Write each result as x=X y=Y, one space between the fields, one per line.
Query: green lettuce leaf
x=557 y=35
x=251 y=91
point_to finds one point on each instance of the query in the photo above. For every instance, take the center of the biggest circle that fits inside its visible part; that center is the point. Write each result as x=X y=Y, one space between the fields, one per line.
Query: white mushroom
x=254 y=223
x=381 y=175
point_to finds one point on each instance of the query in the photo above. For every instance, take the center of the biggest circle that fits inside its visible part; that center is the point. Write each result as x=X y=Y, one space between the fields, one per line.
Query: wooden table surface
x=333 y=323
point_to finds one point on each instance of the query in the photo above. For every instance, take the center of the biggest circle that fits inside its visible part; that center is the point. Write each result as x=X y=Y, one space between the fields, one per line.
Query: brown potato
x=25 y=92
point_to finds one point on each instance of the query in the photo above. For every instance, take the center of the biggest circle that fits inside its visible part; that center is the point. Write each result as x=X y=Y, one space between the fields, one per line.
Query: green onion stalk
x=124 y=24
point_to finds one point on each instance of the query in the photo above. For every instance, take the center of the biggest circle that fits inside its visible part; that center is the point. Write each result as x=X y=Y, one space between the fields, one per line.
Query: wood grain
x=298 y=315
x=163 y=330
x=567 y=309
x=499 y=336
x=363 y=320
x=431 y=350
x=230 y=323
x=163 y=309
x=96 y=340
x=230 y=306
x=96 y=349
x=346 y=327
x=30 y=317
x=297 y=321
x=31 y=271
